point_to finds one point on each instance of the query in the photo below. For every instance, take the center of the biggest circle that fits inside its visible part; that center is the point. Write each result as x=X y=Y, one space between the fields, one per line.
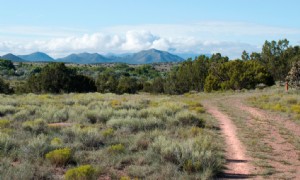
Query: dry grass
x=117 y=135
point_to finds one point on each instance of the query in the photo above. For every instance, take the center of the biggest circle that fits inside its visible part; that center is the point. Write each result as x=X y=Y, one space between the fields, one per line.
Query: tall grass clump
x=36 y=147
x=136 y=124
x=7 y=143
x=7 y=109
x=189 y=118
x=37 y=126
x=193 y=155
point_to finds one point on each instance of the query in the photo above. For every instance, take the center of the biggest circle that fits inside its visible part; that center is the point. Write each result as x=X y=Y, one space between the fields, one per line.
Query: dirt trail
x=285 y=156
x=237 y=166
x=61 y=124
x=261 y=114
x=273 y=131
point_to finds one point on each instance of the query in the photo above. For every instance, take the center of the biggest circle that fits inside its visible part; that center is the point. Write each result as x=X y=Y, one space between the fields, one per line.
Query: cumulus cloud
x=204 y=37
x=132 y=41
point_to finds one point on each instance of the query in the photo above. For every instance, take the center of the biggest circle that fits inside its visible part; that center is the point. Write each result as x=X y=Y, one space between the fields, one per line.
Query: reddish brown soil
x=238 y=165
x=285 y=157
x=59 y=124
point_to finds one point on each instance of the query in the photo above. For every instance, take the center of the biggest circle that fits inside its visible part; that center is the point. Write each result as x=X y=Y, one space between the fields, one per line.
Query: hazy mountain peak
x=37 y=56
x=12 y=57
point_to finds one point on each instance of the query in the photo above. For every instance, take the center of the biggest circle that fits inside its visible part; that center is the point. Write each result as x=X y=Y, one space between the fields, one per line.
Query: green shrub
x=59 y=157
x=188 y=118
x=4 y=123
x=36 y=147
x=108 y=132
x=37 y=126
x=4 y=110
x=101 y=116
x=85 y=172
x=6 y=143
x=90 y=137
x=195 y=106
x=56 y=142
x=136 y=124
x=116 y=149
x=278 y=107
x=292 y=101
x=296 y=109
x=61 y=115
x=197 y=154
x=4 y=87
x=22 y=115
x=125 y=178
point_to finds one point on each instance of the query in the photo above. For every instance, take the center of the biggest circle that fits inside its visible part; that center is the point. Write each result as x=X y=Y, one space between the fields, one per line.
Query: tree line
x=276 y=62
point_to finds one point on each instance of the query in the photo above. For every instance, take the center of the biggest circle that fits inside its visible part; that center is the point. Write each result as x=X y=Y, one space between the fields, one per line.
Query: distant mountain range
x=12 y=57
x=85 y=58
x=142 y=57
x=37 y=56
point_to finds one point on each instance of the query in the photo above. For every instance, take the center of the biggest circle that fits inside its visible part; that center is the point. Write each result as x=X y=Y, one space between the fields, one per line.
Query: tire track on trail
x=285 y=156
x=237 y=162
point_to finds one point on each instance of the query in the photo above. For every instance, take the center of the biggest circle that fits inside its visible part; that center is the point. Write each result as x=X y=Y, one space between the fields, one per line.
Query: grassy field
x=90 y=136
x=286 y=103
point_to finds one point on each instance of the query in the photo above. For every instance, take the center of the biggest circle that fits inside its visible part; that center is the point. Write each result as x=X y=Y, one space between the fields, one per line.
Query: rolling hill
x=151 y=56
x=37 y=56
x=12 y=57
x=84 y=58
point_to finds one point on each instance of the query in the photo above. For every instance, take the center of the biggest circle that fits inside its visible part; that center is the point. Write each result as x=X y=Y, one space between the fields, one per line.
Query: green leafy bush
x=4 y=87
x=57 y=78
x=237 y=75
x=115 y=149
x=59 y=157
x=86 y=172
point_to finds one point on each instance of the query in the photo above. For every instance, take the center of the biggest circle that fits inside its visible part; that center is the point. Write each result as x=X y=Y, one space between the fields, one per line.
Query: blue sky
x=60 y=27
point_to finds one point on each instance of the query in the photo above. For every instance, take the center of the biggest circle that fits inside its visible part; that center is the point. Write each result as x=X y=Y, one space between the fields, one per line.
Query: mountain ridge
x=12 y=57
x=36 y=56
x=142 y=57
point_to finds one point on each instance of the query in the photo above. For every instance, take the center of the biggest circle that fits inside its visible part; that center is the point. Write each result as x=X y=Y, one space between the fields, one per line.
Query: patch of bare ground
x=59 y=124
x=237 y=165
x=276 y=135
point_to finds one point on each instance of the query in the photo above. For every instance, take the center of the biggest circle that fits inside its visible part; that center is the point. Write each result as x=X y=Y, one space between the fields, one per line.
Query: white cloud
x=227 y=38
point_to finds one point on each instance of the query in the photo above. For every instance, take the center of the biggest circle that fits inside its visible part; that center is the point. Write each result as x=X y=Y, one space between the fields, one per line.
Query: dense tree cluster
x=6 y=67
x=276 y=62
x=237 y=75
x=277 y=57
x=4 y=87
x=57 y=78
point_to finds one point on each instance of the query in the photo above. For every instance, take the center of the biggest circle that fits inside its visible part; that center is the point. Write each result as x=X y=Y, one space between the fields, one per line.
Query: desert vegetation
x=87 y=136
x=287 y=103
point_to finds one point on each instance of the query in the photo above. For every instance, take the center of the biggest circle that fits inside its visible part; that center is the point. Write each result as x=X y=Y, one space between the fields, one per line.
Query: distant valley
x=142 y=57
